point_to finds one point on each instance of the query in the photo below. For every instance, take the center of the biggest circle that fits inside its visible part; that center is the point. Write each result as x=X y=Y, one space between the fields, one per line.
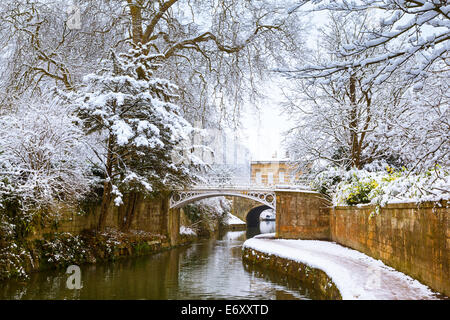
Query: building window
x=281 y=177
x=270 y=177
x=258 y=177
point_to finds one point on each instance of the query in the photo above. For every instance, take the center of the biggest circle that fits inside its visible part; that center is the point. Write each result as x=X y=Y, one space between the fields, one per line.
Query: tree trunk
x=107 y=187
x=128 y=216
x=136 y=21
x=355 y=150
x=106 y=200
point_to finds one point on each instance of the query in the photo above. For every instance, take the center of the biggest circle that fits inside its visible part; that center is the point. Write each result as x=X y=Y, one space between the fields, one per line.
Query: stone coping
x=296 y=191
x=399 y=205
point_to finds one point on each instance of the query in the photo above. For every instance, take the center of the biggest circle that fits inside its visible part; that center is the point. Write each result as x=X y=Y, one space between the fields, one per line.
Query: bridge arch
x=252 y=217
x=181 y=198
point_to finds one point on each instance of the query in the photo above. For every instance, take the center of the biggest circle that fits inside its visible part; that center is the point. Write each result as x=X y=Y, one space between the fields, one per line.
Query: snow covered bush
x=13 y=257
x=12 y=261
x=381 y=188
x=326 y=181
x=41 y=154
x=357 y=189
x=64 y=249
x=186 y=231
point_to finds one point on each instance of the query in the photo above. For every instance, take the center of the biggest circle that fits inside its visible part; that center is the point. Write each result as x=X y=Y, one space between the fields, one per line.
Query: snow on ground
x=356 y=275
x=187 y=231
x=232 y=220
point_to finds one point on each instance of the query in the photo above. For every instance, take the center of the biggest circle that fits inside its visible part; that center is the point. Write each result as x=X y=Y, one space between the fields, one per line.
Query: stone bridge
x=299 y=213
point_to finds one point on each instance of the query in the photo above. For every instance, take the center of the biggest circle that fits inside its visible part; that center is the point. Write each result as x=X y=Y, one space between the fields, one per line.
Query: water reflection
x=267 y=226
x=263 y=227
x=208 y=269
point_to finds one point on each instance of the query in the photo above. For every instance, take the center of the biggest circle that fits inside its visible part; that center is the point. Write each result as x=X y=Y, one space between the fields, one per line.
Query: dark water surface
x=208 y=269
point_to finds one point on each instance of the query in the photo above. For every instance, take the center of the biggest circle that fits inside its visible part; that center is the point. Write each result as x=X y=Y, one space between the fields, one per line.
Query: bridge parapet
x=264 y=194
x=246 y=183
x=181 y=198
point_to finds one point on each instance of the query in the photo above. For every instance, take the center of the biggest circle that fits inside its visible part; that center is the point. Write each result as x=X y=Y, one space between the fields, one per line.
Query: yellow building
x=272 y=172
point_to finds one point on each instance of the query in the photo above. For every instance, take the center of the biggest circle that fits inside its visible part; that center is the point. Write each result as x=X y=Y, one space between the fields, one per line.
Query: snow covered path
x=356 y=275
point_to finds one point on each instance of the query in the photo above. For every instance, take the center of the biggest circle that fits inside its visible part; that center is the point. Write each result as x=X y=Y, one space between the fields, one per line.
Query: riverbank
x=69 y=238
x=333 y=267
x=59 y=250
x=209 y=269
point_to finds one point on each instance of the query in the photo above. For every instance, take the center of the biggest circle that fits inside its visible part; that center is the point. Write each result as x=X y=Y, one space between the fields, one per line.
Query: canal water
x=207 y=269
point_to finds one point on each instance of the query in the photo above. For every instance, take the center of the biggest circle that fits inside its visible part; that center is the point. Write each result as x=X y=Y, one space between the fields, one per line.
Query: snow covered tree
x=420 y=132
x=391 y=66
x=216 y=52
x=39 y=47
x=339 y=118
x=137 y=125
x=414 y=31
x=42 y=156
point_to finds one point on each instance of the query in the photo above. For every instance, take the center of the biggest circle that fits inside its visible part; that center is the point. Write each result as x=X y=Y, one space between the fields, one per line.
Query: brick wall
x=414 y=240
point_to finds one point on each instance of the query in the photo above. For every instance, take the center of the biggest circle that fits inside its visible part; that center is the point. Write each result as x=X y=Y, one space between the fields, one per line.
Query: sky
x=265 y=129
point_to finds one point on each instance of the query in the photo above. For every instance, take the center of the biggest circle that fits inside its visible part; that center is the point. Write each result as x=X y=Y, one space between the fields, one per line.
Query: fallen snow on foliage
x=383 y=187
x=232 y=220
x=187 y=231
x=356 y=275
x=396 y=187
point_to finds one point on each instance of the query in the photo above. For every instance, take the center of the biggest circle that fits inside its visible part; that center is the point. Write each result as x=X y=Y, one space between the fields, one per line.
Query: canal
x=207 y=269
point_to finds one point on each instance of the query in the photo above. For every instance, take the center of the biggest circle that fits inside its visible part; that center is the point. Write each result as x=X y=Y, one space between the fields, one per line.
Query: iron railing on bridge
x=246 y=183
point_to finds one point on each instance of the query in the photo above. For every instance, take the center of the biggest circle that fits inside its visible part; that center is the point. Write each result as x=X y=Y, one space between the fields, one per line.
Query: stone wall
x=410 y=238
x=151 y=215
x=302 y=215
x=318 y=283
x=242 y=206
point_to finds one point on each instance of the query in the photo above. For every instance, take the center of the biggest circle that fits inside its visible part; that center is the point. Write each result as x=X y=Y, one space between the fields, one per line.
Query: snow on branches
x=417 y=32
x=42 y=148
x=349 y=114
x=139 y=125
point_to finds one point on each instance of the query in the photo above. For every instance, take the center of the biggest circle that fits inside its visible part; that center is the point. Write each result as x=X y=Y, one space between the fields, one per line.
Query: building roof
x=268 y=161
